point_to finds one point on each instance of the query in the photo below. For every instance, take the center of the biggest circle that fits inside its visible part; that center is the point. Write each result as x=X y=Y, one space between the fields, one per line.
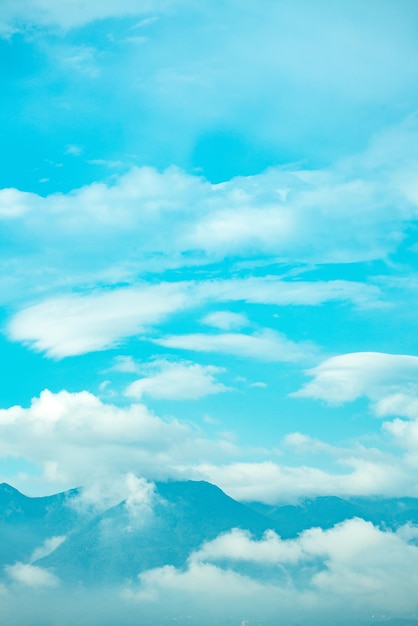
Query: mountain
x=118 y=544
x=25 y=523
x=128 y=538
x=326 y=511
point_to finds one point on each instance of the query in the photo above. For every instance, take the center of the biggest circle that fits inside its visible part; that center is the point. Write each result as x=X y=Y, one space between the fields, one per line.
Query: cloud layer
x=80 y=440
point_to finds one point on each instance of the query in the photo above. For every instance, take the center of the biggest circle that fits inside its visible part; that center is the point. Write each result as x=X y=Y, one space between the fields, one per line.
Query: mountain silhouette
x=128 y=538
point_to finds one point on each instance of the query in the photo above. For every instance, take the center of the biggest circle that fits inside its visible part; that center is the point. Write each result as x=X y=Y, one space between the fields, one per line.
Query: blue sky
x=209 y=253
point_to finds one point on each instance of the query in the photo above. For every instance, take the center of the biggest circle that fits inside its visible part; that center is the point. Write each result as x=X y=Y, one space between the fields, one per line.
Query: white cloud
x=389 y=383
x=146 y=219
x=281 y=292
x=75 y=439
x=266 y=345
x=403 y=402
x=366 y=563
x=237 y=545
x=225 y=320
x=388 y=380
x=14 y=204
x=405 y=434
x=358 y=472
x=124 y=364
x=31 y=575
x=177 y=381
x=71 y=325
x=109 y=490
x=207 y=589
x=291 y=213
x=354 y=566
x=46 y=548
x=360 y=561
x=84 y=322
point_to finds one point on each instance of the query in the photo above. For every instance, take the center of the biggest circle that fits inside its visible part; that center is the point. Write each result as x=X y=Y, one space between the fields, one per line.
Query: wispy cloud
x=75 y=13
x=70 y=325
x=266 y=345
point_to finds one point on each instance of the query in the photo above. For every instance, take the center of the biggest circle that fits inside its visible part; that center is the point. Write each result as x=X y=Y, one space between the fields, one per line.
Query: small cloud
x=177 y=381
x=259 y=384
x=225 y=320
x=124 y=364
x=73 y=149
x=208 y=419
x=100 y=495
x=106 y=390
x=145 y=22
x=31 y=575
x=387 y=380
x=47 y=547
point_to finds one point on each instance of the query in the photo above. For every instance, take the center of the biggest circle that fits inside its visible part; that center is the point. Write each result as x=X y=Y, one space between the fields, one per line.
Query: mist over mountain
x=186 y=551
x=25 y=523
x=127 y=538
x=326 y=511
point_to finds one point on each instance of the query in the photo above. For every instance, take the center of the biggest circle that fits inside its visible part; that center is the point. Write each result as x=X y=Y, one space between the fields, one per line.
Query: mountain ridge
x=126 y=539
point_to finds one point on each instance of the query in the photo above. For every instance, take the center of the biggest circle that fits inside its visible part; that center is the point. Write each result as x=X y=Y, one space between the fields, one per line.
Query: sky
x=209 y=271
x=208 y=260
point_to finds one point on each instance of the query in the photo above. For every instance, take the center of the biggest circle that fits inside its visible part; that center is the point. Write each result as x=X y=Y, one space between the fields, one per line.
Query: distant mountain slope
x=26 y=522
x=118 y=545
x=290 y=520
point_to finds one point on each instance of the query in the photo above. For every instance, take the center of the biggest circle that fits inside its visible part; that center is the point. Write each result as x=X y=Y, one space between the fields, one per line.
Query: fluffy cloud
x=405 y=435
x=267 y=345
x=354 y=564
x=177 y=381
x=31 y=575
x=278 y=212
x=75 y=439
x=213 y=593
x=225 y=320
x=147 y=220
x=388 y=380
x=403 y=403
x=356 y=560
x=109 y=490
x=237 y=545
